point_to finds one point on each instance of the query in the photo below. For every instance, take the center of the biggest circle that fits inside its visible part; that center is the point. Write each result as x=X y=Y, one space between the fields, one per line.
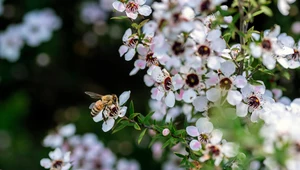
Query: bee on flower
x=111 y=112
x=132 y=8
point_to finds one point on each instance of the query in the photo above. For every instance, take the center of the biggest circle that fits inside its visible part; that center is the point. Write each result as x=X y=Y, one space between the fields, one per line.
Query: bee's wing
x=93 y=95
x=92 y=105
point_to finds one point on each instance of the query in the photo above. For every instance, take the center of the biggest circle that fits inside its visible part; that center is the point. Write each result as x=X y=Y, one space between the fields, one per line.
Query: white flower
x=91 y=13
x=109 y=118
x=58 y=160
x=133 y=7
x=131 y=42
x=11 y=43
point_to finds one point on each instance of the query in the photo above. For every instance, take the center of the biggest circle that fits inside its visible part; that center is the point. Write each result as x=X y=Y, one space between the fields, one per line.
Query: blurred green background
x=35 y=99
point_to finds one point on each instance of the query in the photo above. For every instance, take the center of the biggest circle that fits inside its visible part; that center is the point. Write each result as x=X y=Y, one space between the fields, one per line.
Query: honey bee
x=107 y=103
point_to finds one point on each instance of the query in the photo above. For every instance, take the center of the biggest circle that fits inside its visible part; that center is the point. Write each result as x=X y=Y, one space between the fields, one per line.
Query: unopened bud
x=166 y=132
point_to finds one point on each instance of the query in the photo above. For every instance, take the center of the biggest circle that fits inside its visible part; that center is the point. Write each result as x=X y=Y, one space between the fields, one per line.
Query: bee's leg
x=103 y=115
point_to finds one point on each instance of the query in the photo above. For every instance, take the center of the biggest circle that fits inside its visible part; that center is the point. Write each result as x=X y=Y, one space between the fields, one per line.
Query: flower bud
x=166 y=132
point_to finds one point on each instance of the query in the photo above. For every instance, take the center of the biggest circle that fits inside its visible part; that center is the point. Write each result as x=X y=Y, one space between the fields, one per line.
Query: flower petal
x=67 y=157
x=213 y=62
x=122 y=50
x=127 y=34
x=132 y=15
x=200 y=103
x=227 y=68
x=119 y=6
x=122 y=111
x=189 y=96
x=234 y=97
x=56 y=154
x=145 y=10
x=216 y=136
x=108 y=124
x=170 y=99
x=241 y=109
x=204 y=125
x=46 y=163
x=98 y=117
x=192 y=131
x=124 y=97
x=240 y=81
x=213 y=94
x=130 y=54
x=195 y=145
x=67 y=130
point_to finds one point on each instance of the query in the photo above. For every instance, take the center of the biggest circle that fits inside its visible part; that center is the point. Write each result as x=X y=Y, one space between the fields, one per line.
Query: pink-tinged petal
x=140 y=64
x=142 y=50
x=240 y=81
x=157 y=94
x=259 y=88
x=108 y=124
x=130 y=54
x=124 y=97
x=126 y=35
x=213 y=62
x=122 y=111
x=170 y=99
x=148 y=80
x=234 y=97
x=177 y=82
x=119 y=6
x=56 y=154
x=132 y=15
x=200 y=103
x=46 y=163
x=134 y=71
x=227 y=68
x=195 y=145
x=145 y=10
x=216 y=136
x=192 y=131
x=122 y=50
x=189 y=96
x=179 y=95
x=204 y=125
x=67 y=157
x=213 y=94
x=140 y=2
x=277 y=93
x=241 y=109
x=98 y=117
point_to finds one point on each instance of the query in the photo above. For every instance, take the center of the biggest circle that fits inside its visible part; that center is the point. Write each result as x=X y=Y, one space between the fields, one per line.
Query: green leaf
x=167 y=143
x=135 y=25
x=286 y=75
x=136 y=126
x=143 y=23
x=141 y=136
x=133 y=115
x=179 y=132
x=266 y=10
x=131 y=108
x=148 y=116
x=122 y=126
x=179 y=155
x=119 y=17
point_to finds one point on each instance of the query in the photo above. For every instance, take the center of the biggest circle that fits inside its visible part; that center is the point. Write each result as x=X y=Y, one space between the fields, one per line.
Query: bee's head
x=115 y=98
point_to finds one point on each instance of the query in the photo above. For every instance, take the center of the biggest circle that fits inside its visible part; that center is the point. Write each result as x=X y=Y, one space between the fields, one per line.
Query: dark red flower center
x=167 y=83
x=178 y=48
x=225 y=83
x=266 y=44
x=132 y=7
x=192 y=80
x=204 y=50
x=253 y=102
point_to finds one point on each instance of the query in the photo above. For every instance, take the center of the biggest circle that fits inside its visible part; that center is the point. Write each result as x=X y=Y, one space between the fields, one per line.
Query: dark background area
x=34 y=99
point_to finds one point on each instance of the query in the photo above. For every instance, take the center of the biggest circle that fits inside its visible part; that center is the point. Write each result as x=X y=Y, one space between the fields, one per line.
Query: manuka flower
x=132 y=8
x=58 y=161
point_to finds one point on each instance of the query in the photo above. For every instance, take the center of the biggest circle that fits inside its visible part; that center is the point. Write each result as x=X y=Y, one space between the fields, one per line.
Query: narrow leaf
x=119 y=17
x=136 y=126
x=141 y=136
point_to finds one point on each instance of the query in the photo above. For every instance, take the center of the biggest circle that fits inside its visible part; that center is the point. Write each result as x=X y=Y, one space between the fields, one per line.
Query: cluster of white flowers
x=81 y=152
x=36 y=28
x=189 y=62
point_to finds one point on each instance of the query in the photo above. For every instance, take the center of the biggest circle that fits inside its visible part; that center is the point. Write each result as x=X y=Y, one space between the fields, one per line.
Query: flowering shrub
x=211 y=107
